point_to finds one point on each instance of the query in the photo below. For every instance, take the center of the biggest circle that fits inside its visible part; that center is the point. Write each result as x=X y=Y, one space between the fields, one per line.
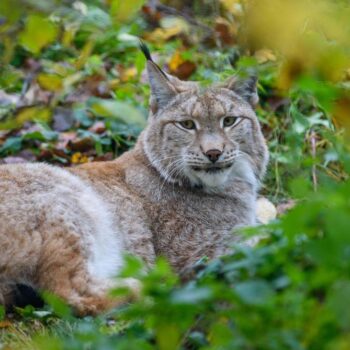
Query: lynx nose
x=213 y=155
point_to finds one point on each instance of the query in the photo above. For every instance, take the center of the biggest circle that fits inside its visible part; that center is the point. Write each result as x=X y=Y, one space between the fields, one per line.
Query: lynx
x=191 y=179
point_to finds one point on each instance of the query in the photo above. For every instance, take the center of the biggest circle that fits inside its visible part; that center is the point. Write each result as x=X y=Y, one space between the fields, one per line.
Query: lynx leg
x=63 y=271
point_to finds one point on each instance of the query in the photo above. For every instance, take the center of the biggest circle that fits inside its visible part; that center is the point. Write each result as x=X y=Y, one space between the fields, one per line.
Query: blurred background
x=73 y=89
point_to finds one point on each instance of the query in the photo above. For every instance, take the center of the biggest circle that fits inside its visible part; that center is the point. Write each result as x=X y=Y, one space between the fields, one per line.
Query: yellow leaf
x=160 y=34
x=175 y=61
x=180 y=67
x=31 y=113
x=171 y=26
x=78 y=158
x=264 y=55
x=128 y=74
x=38 y=32
x=27 y=114
x=51 y=82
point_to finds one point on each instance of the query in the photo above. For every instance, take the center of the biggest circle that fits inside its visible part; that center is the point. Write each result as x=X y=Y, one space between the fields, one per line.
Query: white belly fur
x=105 y=243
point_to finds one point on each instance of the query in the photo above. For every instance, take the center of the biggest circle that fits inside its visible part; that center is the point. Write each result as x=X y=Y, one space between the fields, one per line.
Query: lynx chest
x=187 y=226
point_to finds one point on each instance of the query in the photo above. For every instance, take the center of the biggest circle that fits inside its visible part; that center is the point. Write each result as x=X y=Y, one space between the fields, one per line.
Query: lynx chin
x=191 y=178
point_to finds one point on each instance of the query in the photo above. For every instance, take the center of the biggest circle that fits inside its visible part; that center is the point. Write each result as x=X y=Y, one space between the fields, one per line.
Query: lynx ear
x=246 y=88
x=162 y=90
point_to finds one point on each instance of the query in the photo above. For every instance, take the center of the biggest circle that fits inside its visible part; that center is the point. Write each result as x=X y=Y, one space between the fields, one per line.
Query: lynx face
x=206 y=137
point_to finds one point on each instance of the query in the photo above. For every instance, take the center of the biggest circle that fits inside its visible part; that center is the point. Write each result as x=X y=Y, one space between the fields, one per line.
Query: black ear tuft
x=145 y=50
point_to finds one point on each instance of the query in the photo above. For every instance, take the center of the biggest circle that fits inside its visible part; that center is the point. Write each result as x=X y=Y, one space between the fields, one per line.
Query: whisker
x=169 y=173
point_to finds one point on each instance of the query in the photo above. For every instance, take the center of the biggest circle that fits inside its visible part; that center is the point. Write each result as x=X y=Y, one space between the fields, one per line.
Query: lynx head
x=204 y=137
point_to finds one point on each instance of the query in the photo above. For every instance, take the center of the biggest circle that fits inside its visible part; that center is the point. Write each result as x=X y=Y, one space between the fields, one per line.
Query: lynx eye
x=230 y=121
x=188 y=124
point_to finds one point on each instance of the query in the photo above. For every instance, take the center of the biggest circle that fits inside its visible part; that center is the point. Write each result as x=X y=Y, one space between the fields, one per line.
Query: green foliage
x=39 y=32
x=2 y=312
x=72 y=90
x=118 y=110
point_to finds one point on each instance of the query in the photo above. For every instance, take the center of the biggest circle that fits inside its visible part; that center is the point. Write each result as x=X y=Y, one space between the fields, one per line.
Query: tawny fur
x=65 y=230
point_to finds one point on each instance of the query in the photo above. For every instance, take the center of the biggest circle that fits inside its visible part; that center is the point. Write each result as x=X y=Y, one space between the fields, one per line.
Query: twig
x=313 y=153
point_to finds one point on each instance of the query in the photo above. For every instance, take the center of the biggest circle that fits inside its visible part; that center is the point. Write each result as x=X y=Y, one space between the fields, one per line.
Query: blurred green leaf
x=11 y=145
x=27 y=114
x=51 y=82
x=42 y=342
x=38 y=33
x=59 y=307
x=124 y=10
x=119 y=110
x=191 y=295
x=2 y=312
x=256 y=292
x=43 y=135
x=168 y=336
x=337 y=302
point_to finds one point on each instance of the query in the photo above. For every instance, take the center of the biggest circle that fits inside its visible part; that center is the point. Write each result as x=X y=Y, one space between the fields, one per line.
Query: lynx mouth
x=213 y=169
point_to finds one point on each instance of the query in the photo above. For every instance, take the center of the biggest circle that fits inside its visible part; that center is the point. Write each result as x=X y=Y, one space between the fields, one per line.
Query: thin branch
x=313 y=153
